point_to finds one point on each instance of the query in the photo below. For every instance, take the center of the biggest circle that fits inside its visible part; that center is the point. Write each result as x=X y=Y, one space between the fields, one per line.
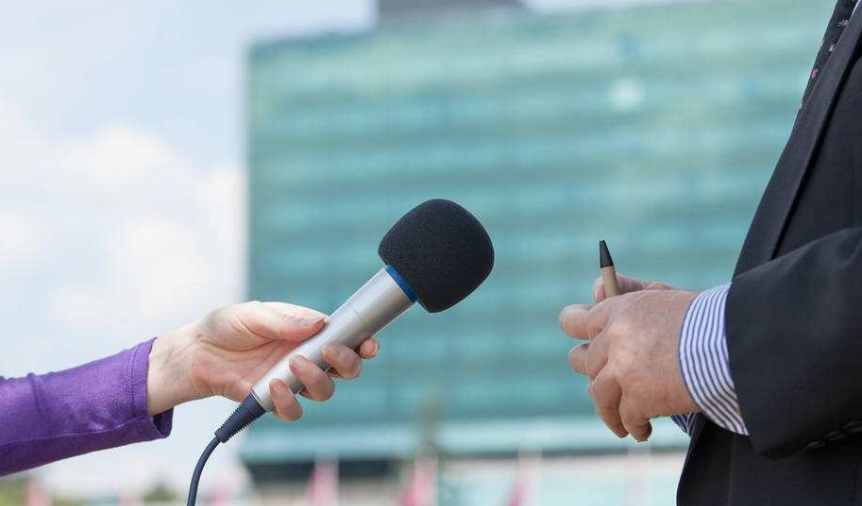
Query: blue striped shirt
x=705 y=364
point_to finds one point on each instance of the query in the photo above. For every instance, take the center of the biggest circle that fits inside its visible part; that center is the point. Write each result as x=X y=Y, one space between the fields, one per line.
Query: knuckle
x=603 y=405
x=223 y=313
x=624 y=367
x=593 y=365
x=618 y=329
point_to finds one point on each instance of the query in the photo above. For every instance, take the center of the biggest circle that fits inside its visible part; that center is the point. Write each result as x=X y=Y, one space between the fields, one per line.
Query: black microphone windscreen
x=441 y=251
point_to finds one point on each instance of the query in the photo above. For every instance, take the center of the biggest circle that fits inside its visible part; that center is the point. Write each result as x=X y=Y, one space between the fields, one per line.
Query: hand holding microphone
x=437 y=254
x=225 y=352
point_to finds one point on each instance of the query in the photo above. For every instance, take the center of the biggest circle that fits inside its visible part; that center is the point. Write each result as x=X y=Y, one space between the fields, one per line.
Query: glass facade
x=655 y=128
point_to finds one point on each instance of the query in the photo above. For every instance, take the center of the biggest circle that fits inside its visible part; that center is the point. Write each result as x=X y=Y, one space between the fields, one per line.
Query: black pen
x=609 y=273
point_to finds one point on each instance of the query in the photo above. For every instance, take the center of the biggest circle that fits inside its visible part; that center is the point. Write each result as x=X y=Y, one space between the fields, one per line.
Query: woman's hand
x=228 y=350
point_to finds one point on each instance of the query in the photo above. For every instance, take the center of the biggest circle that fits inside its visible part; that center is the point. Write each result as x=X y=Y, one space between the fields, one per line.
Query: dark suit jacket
x=794 y=319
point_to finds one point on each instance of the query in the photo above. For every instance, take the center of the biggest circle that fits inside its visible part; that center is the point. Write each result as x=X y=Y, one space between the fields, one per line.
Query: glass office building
x=653 y=127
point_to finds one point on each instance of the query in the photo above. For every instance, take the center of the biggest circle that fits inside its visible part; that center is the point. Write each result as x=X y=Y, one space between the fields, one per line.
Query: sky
x=122 y=207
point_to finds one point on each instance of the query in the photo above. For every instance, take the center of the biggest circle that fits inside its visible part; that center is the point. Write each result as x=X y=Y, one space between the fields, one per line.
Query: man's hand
x=626 y=285
x=632 y=354
x=229 y=349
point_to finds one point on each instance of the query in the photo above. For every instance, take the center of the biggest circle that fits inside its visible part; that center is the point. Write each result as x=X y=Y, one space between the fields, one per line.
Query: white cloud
x=171 y=235
x=117 y=157
x=120 y=237
x=17 y=237
x=162 y=237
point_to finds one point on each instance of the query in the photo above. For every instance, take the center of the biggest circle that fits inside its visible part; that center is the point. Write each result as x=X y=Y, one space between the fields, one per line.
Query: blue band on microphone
x=401 y=283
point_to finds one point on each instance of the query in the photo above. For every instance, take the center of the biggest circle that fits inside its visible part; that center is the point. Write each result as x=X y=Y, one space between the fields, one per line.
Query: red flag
x=323 y=484
x=130 y=499
x=518 y=496
x=221 y=496
x=421 y=488
x=520 y=493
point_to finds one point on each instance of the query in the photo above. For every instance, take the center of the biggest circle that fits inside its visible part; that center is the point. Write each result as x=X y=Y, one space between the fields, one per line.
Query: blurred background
x=161 y=159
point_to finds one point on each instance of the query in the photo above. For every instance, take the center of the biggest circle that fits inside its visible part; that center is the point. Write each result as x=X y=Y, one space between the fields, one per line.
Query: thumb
x=298 y=328
x=273 y=321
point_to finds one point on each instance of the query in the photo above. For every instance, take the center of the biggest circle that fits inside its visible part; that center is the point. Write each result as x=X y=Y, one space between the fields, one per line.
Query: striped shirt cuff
x=684 y=422
x=705 y=362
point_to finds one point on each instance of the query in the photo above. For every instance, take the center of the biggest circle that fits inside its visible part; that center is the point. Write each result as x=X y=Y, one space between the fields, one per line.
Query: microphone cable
x=196 y=477
x=246 y=413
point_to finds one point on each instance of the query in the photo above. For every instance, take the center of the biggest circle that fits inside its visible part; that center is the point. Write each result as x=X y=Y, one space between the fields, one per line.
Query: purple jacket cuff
x=103 y=404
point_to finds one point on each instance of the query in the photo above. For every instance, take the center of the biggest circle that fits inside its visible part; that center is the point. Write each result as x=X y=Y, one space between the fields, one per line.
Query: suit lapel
x=778 y=200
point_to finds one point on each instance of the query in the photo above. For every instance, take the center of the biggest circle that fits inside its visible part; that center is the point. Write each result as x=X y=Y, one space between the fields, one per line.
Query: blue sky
x=122 y=191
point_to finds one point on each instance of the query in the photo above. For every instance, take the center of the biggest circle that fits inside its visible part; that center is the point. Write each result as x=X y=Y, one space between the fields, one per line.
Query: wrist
x=705 y=362
x=168 y=379
x=688 y=404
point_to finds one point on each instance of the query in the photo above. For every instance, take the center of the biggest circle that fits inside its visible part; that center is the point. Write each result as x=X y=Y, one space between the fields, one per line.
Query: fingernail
x=278 y=386
x=301 y=363
x=311 y=320
x=376 y=349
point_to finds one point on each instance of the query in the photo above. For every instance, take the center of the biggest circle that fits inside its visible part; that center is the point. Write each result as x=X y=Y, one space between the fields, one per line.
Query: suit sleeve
x=794 y=336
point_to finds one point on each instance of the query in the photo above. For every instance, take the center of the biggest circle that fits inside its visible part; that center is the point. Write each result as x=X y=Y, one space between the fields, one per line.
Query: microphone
x=437 y=254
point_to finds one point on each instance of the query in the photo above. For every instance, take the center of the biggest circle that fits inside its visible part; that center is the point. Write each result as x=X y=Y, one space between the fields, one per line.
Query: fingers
x=584 y=322
x=286 y=405
x=589 y=358
x=606 y=393
x=635 y=423
x=343 y=360
x=278 y=321
x=369 y=348
x=574 y=321
x=578 y=358
x=318 y=385
x=621 y=417
x=626 y=285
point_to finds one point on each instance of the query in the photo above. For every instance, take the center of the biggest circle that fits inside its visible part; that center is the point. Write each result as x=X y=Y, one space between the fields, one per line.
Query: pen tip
x=605 y=259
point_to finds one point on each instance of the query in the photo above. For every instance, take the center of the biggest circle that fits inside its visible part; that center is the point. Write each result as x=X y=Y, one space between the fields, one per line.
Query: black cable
x=247 y=412
x=196 y=477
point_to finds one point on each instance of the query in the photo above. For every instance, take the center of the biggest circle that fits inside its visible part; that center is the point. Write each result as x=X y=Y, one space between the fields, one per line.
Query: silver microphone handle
x=377 y=303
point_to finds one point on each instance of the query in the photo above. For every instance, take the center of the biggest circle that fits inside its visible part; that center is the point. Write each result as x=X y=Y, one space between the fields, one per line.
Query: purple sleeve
x=99 y=405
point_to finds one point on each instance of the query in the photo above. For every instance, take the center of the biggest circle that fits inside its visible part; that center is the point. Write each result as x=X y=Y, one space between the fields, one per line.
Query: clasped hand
x=631 y=353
